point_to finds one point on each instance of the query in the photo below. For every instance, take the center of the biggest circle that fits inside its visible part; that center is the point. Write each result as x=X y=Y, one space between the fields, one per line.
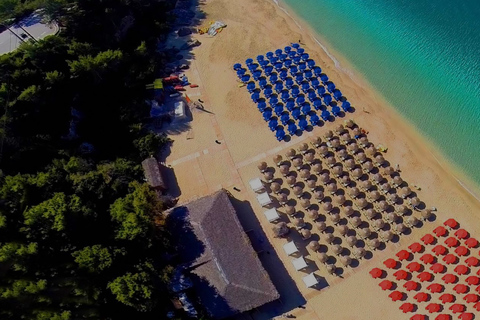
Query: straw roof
x=353 y=147
x=284 y=169
x=345 y=260
x=342 y=154
x=388 y=171
x=280 y=230
x=291 y=153
x=359 y=252
x=348 y=210
x=373 y=243
x=385 y=187
x=328 y=135
x=354 y=191
x=339 y=129
x=397 y=180
x=320 y=225
x=305 y=203
x=337 y=249
x=370 y=213
x=309 y=157
x=340 y=199
x=399 y=227
x=331 y=160
x=297 y=162
x=335 y=143
x=324 y=177
x=386 y=235
x=366 y=185
x=379 y=223
x=335 y=218
x=361 y=157
x=298 y=222
x=152 y=172
x=345 y=180
x=362 y=203
x=342 y=229
x=401 y=209
x=316 y=141
x=303 y=147
x=323 y=150
x=327 y=206
x=268 y=175
x=282 y=197
x=356 y=221
x=337 y=170
x=405 y=192
x=368 y=166
x=371 y=150
x=318 y=195
x=311 y=184
x=357 y=173
x=379 y=159
x=317 y=167
x=322 y=257
x=290 y=210
x=331 y=268
x=262 y=166
x=328 y=237
x=350 y=164
x=383 y=205
x=349 y=123
x=275 y=186
x=412 y=221
x=297 y=190
x=391 y=217
x=351 y=240
x=415 y=201
x=427 y=213
x=377 y=177
x=346 y=137
x=393 y=197
x=314 y=245
x=332 y=187
x=277 y=159
x=306 y=234
x=374 y=195
x=305 y=174
x=291 y=180
x=363 y=141
x=364 y=233
x=313 y=213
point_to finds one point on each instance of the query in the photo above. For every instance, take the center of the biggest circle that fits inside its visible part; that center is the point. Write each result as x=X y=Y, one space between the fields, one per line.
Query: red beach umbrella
x=386 y=285
x=396 y=295
x=435 y=288
x=406 y=307
x=440 y=231
x=460 y=288
x=477 y=306
x=471 y=261
x=466 y=316
x=424 y=276
x=411 y=285
x=473 y=280
x=478 y=289
x=451 y=223
x=439 y=250
x=450 y=258
x=401 y=275
x=433 y=307
x=390 y=263
x=471 y=298
x=461 y=251
x=376 y=273
x=456 y=308
x=403 y=255
x=461 y=234
x=415 y=247
x=437 y=267
x=421 y=297
x=471 y=242
x=461 y=269
x=451 y=242
x=414 y=266
x=427 y=258
x=418 y=317
x=449 y=278
x=428 y=239
x=447 y=298
x=443 y=317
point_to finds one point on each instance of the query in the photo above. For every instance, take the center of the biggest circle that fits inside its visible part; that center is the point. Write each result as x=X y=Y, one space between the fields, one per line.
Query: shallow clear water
x=423 y=56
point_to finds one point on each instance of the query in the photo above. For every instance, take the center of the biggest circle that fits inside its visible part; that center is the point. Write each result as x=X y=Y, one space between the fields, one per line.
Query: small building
x=227 y=275
x=154 y=176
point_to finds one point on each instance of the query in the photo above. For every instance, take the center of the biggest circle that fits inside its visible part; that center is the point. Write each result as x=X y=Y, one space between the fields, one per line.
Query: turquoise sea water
x=423 y=56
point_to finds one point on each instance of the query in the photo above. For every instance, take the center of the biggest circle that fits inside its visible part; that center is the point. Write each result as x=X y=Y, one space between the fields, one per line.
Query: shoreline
x=459 y=175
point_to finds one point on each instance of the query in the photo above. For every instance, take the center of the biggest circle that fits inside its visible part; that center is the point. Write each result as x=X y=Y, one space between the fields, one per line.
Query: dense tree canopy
x=81 y=234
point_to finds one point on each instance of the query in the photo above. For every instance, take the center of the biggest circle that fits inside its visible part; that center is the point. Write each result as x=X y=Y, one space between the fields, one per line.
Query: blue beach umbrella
x=303 y=124
x=273 y=60
x=330 y=86
x=251 y=86
x=306 y=108
x=324 y=77
x=305 y=56
x=278 y=66
x=298 y=79
x=267 y=115
x=262 y=83
x=346 y=106
x=290 y=105
x=257 y=74
x=273 y=124
x=336 y=111
x=240 y=73
x=308 y=74
x=260 y=58
x=268 y=92
x=300 y=50
x=289 y=83
x=255 y=96
x=237 y=66
x=337 y=94
x=321 y=90
x=325 y=115
x=311 y=95
x=261 y=106
x=292 y=54
x=327 y=99
x=283 y=74
x=278 y=52
x=284 y=118
x=314 y=120
x=282 y=57
x=287 y=63
x=292 y=129
x=295 y=91
x=317 y=71
x=311 y=63
x=295 y=45
x=315 y=83
x=273 y=78
x=293 y=70
x=285 y=96
x=263 y=63
x=300 y=100
x=249 y=61
x=278 y=86
x=302 y=66
x=273 y=100
x=287 y=49
x=245 y=78
x=305 y=86
x=252 y=66
x=268 y=70
x=296 y=60
x=317 y=103
x=278 y=109
x=296 y=113
x=269 y=54
x=280 y=134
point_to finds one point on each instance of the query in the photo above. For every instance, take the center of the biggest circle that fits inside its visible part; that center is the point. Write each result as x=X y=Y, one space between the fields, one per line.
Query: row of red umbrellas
x=450 y=241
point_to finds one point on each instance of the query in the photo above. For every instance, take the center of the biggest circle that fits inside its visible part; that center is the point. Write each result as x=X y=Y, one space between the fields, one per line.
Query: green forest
x=81 y=234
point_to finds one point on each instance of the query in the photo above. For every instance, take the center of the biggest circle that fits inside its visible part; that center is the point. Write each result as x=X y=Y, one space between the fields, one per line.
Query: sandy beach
x=200 y=166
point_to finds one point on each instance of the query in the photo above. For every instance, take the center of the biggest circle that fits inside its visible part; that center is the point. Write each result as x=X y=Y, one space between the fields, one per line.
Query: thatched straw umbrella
x=318 y=195
x=337 y=170
x=356 y=131
x=379 y=160
x=357 y=173
x=331 y=268
x=303 y=148
x=348 y=211
x=305 y=203
x=366 y=185
x=284 y=169
x=412 y=221
x=332 y=187
x=323 y=151
x=262 y=166
x=346 y=137
x=337 y=249
x=351 y=241
x=314 y=245
x=345 y=180
x=350 y=164
x=309 y=157
x=426 y=214
x=361 y=157
x=316 y=142
x=311 y=184
x=277 y=159
x=399 y=228
x=328 y=135
x=367 y=166
x=305 y=174
x=364 y=233
x=282 y=198
x=345 y=260
x=383 y=206
x=328 y=237
x=378 y=224
x=371 y=150
x=386 y=235
x=298 y=191
x=335 y=218
x=312 y=213
x=397 y=181
x=291 y=180
x=415 y=202
x=391 y=217
x=388 y=171
x=377 y=178
x=405 y=192
x=290 y=210
x=342 y=154
x=392 y=197
x=401 y=209
x=349 y=123
x=340 y=199
x=268 y=176
x=320 y=225
x=374 y=195
x=298 y=222
x=370 y=213
x=352 y=147
x=317 y=168
x=297 y=162
x=339 y=129
x=280 y=230
x=331 y=161
x=322 y=257
x=342 y=229
x=356 y=221
x=275 y=186
x=306 y=234
x=291 y=153
x=363 y=141
x=327 y=206
x=385 y=187
x=373 y=243
x=335 y=143
x=359 y=253
x=354 y=192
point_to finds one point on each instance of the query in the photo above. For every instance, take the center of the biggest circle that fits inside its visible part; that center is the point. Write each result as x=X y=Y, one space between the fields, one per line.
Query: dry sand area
x=202 y=166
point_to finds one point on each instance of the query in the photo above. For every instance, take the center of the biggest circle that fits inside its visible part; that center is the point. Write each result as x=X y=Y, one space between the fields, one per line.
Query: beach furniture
x=272 y=215
x=237 y=66
x=376 y=273
x=261 y=106
x=406 y=307
x=396 y=295
x=386 y=285
x=264 y=199
x=299 y=263
x=290 y=248
x=273 y=124
x=256 y=185
x=296 y=113
x=325 y=115
x=336 y=111
x=310 y=280
x=421 y=297
x=267 y=115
